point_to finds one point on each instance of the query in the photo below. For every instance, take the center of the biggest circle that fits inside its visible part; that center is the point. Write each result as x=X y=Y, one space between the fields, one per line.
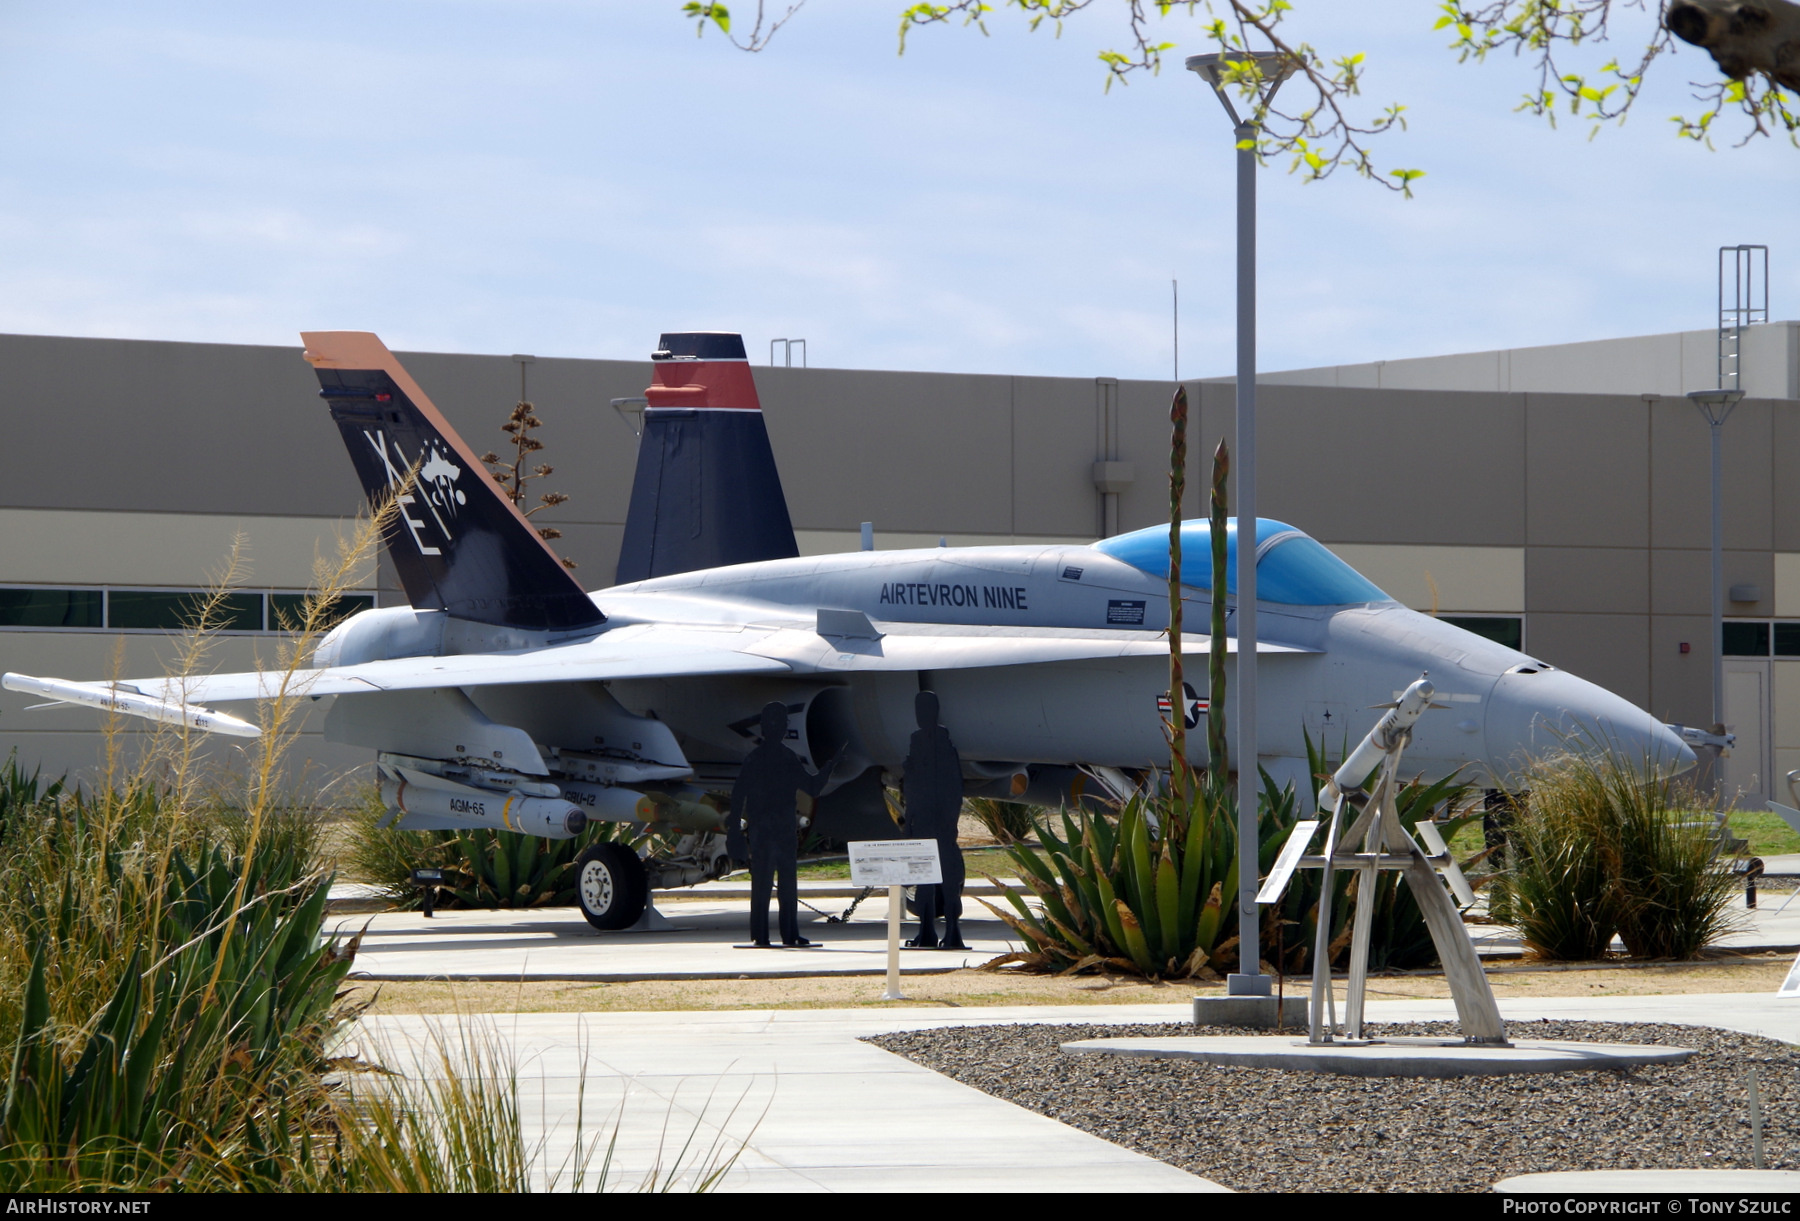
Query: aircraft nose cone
x=1535 y=713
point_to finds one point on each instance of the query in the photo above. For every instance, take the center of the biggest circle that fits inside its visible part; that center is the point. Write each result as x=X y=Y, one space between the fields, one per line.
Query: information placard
x=1288 y=861
x=894 y=862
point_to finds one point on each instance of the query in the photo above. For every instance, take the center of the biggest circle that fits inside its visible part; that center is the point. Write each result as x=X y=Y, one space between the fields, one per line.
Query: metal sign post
x=896 y=864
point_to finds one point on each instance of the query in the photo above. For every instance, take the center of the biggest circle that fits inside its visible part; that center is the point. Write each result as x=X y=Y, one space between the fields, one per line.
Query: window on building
x=1508 y=630
x=1750 y=638
x=161 y=610
x=51 y=608
x=174 y=610
x=1744 y=639
x=288 y=611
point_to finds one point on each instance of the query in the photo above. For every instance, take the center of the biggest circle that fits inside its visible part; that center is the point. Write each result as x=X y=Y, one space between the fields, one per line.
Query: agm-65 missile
x=131 y=703
x=432 y=797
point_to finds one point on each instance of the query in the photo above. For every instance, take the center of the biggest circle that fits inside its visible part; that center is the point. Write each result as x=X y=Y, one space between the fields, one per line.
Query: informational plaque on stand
x=895 y=864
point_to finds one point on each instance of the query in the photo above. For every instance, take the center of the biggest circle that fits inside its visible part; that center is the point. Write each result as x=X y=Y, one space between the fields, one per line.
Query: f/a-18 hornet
x=506 y=696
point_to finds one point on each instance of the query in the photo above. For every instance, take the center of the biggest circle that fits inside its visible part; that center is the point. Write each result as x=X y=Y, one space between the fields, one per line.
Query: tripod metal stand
x=1372 y=841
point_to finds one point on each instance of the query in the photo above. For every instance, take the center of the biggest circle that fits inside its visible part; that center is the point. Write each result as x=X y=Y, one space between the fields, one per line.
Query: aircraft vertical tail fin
x=706 y=492
x=459 y=543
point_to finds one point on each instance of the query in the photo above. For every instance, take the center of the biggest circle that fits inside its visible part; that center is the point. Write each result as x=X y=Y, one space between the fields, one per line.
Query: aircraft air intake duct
x=423 y=799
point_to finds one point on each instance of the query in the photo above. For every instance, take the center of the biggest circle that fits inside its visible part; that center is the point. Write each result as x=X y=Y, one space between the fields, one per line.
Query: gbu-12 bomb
x=610 y=803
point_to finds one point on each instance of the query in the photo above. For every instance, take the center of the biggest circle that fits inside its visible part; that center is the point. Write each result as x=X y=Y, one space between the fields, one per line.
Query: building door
x=1747 y=714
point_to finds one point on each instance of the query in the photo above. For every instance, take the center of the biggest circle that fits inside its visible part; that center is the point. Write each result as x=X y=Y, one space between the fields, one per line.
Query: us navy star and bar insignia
x=1193 y=706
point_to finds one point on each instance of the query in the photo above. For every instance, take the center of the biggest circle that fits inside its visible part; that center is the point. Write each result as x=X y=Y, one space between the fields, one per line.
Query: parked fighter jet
x=507 y=696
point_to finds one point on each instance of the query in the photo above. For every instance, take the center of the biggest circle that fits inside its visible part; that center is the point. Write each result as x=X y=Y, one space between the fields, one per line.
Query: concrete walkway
x=805 y=1106
x=708 y=932
x=794 y=1095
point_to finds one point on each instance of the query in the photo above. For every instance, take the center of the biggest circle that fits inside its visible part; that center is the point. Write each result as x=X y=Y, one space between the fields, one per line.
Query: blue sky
x=572 y=178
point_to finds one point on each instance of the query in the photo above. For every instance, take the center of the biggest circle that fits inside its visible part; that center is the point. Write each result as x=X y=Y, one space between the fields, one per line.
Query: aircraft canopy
x=1292 y=567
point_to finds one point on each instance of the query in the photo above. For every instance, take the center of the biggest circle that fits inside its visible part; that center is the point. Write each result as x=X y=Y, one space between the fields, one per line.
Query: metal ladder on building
x=1743 y=302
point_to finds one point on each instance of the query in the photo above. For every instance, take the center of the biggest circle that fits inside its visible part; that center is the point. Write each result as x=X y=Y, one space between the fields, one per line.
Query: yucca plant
x=1151 y=891
x=198 y=1032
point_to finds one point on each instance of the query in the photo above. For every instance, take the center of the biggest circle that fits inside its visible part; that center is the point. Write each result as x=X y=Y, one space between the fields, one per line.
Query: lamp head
x=1272 y=66
x=1715 y=405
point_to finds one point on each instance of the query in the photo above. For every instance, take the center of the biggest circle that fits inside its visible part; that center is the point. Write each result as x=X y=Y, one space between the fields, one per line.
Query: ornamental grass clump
x=1603 y=848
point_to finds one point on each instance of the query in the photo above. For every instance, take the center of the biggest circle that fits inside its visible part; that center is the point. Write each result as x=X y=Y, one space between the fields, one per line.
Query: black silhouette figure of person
x=763 y=802
x=933 y=789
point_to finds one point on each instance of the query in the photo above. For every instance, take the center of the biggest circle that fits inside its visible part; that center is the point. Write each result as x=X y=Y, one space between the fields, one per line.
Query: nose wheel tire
x=611 y=885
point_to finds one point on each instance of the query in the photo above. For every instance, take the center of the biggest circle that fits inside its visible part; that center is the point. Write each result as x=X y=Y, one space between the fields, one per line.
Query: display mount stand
x=1373 y=822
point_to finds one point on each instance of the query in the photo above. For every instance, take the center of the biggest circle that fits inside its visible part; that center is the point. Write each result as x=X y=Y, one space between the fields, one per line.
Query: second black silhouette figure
x=933 y=789
x=763 y=802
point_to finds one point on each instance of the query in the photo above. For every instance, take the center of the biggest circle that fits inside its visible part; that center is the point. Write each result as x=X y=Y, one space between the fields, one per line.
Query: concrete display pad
x=1653 y=1182
x=1392 y=1058
x=705 y=938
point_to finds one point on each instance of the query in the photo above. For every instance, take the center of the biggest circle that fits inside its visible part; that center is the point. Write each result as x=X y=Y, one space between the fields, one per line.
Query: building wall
x=136 y=463
x=1671 y=364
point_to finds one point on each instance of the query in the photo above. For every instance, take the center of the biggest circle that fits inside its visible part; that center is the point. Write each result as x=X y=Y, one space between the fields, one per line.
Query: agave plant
x=1149 y=892
x=482 y=867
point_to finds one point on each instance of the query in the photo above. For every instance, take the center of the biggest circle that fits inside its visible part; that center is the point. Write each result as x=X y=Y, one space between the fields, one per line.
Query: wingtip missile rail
x=130 y=703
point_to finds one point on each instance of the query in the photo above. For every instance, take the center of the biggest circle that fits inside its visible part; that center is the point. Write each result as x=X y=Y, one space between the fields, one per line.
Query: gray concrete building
x=1555 y=495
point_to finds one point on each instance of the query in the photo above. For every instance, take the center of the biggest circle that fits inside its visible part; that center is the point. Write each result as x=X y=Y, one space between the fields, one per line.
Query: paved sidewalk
x=815 y=1109
x=810 y=1106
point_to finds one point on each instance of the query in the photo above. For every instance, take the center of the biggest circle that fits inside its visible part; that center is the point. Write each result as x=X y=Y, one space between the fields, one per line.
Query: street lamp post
x=1715 y=406
x=1225 y=72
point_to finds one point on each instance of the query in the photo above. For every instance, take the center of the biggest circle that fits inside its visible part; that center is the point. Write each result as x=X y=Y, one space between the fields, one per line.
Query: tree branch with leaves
x=1324 y=125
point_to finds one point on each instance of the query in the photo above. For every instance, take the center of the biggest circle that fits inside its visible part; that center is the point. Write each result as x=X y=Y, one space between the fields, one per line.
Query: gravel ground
x=1266 y=1130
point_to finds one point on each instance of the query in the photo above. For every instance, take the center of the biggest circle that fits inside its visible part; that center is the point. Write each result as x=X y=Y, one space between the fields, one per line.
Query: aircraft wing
x=638 y=651
x=628 y=652
x=956 y=647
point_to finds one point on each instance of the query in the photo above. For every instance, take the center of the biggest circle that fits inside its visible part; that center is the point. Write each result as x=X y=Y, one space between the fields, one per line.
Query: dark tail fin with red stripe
x=706 y=492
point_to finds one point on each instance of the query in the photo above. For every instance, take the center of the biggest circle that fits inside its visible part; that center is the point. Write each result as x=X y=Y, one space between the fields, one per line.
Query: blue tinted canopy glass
x=1291 y=567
